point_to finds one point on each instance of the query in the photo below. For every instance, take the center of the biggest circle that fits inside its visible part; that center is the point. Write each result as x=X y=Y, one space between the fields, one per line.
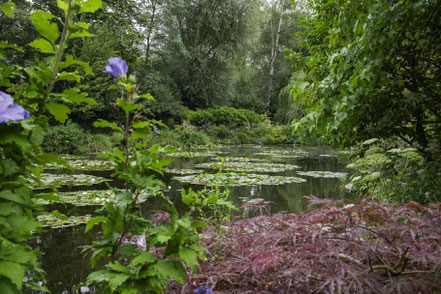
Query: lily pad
x=83 y=164
x=323 y=174
x=54 y=222
x=284 y=153
x=249 y=166
x=187 y=171
x=68 y=180
x=95 y=197
x=190 y=154
x=242 y=159
x=237 y=179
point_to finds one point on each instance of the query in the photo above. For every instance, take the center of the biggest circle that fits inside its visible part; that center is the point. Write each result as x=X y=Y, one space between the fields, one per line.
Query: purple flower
x=203 y=290
x=9 y=111
x=116 y=67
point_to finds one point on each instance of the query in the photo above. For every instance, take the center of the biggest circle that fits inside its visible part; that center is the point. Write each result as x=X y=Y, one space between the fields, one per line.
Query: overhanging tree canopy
x=374 y=71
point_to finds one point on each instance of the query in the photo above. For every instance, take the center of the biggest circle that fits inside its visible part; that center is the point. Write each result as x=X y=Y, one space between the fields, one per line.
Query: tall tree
x=374 y=71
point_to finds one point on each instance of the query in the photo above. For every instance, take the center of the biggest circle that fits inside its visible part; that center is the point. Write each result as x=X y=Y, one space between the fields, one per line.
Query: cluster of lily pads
x=284 y=153
x=237 y=179
x=55 y=222
x=191 y=154
x=82 y=164
x=187 y=171
x=323 y=174
x=248 y=166
x=95 y=197
x=67 y=180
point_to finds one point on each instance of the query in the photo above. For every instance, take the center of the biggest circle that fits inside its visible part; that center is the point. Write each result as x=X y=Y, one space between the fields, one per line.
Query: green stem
x=54 y=73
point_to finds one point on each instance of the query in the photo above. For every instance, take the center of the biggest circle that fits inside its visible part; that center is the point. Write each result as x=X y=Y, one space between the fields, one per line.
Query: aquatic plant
x=249 y=166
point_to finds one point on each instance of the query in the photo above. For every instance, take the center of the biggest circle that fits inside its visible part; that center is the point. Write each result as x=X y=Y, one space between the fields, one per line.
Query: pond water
x=317 y=168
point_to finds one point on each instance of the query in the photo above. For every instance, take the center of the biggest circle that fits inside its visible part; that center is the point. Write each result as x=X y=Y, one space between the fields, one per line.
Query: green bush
x=165 y=137
x=99 y=143
x=190 y=136
x=220 y=133
x=396 y=175
x=66 y=139
x=228 y=116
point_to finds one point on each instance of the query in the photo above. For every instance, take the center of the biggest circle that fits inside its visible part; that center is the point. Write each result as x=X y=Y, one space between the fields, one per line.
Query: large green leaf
x=89 y=5
x=128 y=106
x=189 y=256
x=42 y=45
x=101 y=123
x=8 y=8
x=63 y=5
x=80 y=34
x=73 y=95
x=8 y=287
x=43 y=25
x=59 y=111
x=69 y=76
x=143 y=258
x=71 y=61
x=94 y=221
x=14 y=271
x=172 y=270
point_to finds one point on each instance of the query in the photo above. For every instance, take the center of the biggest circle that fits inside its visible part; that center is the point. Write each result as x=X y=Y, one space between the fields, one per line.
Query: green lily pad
x=54 y=222
x=323 y=174
x=284 y=153
x=68 y=180
x=249 y=166
x=242 y=159
x=187 y=171
x=190 y=154
x=95 y=197
x=82 y=164
x=237 y=179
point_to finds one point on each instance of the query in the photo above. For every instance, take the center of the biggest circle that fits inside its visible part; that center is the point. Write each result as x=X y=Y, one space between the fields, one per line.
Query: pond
x=281 y=175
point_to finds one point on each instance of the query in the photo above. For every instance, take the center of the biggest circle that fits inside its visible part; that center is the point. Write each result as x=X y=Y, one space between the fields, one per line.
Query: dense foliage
x=373 y=71
x=363 y=248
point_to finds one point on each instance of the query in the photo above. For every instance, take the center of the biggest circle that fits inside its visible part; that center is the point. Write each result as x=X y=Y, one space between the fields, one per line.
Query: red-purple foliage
x=367 y=248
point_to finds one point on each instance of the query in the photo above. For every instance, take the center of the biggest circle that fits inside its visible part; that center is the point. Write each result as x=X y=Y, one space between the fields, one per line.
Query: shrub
x=190 y=136
x=66 y=139
x=396 y=175
x=368 y=247
x=99 y=143
x=229 y=116
x=165 y=137
x=221 y=133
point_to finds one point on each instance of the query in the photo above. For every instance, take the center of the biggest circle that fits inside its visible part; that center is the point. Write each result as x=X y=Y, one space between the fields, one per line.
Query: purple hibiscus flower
x=9 y=111
x=203 y=290
x=116 y=67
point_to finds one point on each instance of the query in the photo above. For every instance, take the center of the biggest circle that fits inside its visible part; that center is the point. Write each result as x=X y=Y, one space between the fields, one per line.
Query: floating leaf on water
x=243 y=159
x=323 y=174
x=187 y=171
x=249 y=166
x=237 y=179
x=80 y=163
x=54 y=222
x=189 y=154
x=95 y=197
x=68 y=180
x=284 y=153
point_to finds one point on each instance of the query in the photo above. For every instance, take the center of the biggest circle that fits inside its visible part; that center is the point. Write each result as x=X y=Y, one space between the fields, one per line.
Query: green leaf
x=171 y=269
x=71 y=61
x=101 y=123
x=118 y=267
x=189 y=256
x=8 y=287
x=128 y=106
x=148 y=97
x=15 y=197
x=44 y=26
x=69 y=76
x=59 y=111
x=10 y=167
x=61 y=216
x=143 y=258
x=90 y=6
x=80 y=34
x=139 y=133
x=8 y=8
x=73 y=95
x=42 y=45
x=63 y=5
x=14 y=271
x=94 y=221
